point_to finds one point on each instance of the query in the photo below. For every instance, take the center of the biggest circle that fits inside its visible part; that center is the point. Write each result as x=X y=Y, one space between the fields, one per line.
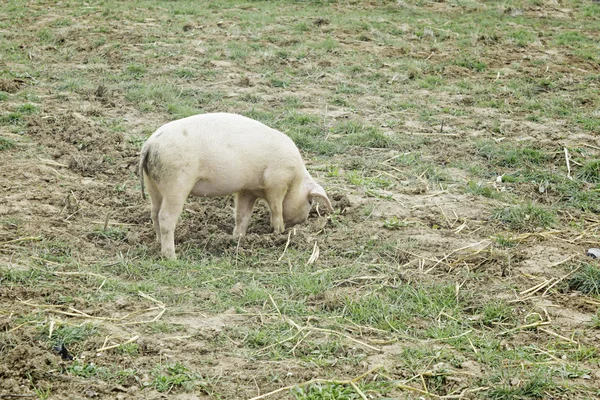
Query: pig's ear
x=317 y=190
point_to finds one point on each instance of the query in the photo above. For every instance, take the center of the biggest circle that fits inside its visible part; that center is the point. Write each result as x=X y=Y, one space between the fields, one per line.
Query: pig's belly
x=209 y=188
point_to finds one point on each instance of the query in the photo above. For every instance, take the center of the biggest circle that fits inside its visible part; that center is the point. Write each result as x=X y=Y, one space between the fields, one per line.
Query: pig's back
x=225 y=147
x=225 y=133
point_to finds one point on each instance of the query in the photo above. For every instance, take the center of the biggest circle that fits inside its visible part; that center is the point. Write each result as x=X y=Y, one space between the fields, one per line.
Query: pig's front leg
x=275 y=199
x=244 y=204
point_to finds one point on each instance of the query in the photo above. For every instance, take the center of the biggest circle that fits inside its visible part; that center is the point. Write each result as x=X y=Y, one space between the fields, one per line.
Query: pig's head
x=298 y=202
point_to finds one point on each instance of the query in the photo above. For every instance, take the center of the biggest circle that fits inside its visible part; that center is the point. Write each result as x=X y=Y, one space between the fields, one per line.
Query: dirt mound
x=83 y=144
x=12 y=85
x=23 y=362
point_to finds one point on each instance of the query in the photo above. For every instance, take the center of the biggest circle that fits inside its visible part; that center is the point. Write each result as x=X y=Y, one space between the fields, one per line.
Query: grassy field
x=459 y=142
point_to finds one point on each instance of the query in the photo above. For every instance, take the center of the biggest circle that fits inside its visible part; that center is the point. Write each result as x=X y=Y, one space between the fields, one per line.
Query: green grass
x=13 y=118
x=508 y=155
x=496 y=311
x=69 y=335
x=6 y=144
x=527 y=217
x=86 y=370
x=586 y=280
x=111 y=233
x=482 y=190
x=536 y=387
x=325 y=391
x=590 y=171
x=171 y=377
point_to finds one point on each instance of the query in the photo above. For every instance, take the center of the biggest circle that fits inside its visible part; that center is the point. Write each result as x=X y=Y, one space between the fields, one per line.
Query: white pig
x=220 y=154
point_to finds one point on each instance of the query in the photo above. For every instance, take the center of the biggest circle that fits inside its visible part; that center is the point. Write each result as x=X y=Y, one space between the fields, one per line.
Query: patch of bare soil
x=83 y=145
x=12 y=85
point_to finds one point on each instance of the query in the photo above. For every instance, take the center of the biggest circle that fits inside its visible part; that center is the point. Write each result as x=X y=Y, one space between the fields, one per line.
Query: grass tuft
x=480 y=189
x=587 y=280
x=171 y=377
x=6 y=144
x=590 y=172
x=527 y=217
x=538 y=387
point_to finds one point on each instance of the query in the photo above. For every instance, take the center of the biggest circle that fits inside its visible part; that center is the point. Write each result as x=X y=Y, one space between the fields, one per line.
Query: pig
x=219 y=154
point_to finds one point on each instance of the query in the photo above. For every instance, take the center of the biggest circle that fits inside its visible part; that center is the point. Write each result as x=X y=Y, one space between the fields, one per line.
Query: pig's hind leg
x=244 y=204
x=156 y=199
x=170 y=210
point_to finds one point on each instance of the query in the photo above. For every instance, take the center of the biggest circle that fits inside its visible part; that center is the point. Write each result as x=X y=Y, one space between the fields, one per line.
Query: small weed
x=185 y=73
x=506 y=241
x=42 y=394
x=179 y=110
x=85 y=370
x=251 y=98
x=496 y=312
x=301 y=27
x=27 y=108
x=538 y=387
x=590 y=172
x=433 y=173
x=325 y=391
x=587 y=280
x=11 y=118
x=481 y=190
x=371 y=138
x=136 y=70
x=167 y=378
x=110 y=233
x=67 y=335
x=327 y=46
x=6 y=144
x=589 y=123
x=583 y=353
x=526 y=217
x=333 y=171
x=596 y=320
x=394 y=223
x=475 y=65
x=55 y=251
x=3 y=96
x=358 y=179
x=339 y=101
x=292 y=102
x=279 y=83
x=136 y=140
x=361 y=135
x=45 y=35
x=510 y=156
x=130 y=349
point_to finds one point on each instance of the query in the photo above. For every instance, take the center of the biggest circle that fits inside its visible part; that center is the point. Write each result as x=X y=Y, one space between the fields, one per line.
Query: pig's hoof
x=169 y=255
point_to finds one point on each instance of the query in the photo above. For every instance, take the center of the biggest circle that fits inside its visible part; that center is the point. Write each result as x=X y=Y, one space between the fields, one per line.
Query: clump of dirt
x=25 y=362
x=11 y=85
x=84 y=145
